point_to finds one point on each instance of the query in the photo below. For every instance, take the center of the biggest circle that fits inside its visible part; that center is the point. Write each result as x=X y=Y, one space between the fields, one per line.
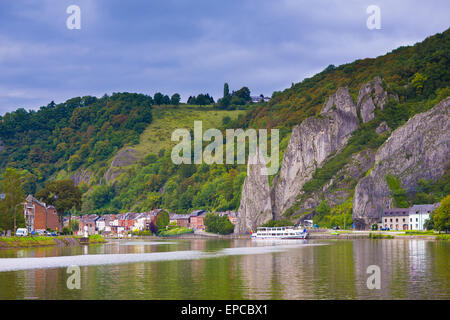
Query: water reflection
x=234 y=269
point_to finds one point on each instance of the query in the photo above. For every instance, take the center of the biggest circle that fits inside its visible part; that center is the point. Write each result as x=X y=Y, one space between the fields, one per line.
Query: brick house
x=182 y=220
x=196 y=220
x=39 y=216
x=90 y=222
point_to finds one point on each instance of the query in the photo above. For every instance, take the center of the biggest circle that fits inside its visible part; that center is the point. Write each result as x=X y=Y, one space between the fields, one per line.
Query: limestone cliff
x=255 y=208
x=310 y=144
x=372 y=95
x=419 y=149
x=125 y=157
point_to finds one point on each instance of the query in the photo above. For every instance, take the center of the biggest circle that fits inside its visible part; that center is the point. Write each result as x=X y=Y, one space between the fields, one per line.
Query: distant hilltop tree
x=201 y=99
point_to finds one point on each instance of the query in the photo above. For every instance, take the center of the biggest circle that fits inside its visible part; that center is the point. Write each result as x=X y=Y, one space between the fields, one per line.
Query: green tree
x=175 y=99
x=418 y=82
x=163 y=220
x=323 y=208
x=441 y=216
x=158 y=98
x=63 y=195
x=216 y=224
x=226 y=90
x=11 y=187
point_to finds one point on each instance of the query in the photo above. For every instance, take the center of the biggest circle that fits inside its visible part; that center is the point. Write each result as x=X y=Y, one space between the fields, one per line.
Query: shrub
x=216 y=224
x=278 y=223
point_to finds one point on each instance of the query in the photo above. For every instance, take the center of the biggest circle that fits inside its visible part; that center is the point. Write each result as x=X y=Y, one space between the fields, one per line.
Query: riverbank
x=33 y=241
x=347 y=234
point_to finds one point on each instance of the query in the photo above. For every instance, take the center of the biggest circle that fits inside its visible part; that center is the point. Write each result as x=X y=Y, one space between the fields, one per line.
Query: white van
x=22 y=232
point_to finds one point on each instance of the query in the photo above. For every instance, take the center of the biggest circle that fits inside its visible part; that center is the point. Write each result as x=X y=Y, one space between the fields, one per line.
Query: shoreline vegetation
x=39 y=241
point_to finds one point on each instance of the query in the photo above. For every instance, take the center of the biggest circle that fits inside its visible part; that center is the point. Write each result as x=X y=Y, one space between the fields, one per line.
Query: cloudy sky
x=192 y=46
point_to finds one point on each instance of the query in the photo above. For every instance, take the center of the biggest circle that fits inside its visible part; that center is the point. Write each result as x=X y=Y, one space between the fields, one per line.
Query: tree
x=418 y=82
x=165 y=100
x=158 y=98
x=63 y=195
x=11 y=187
x=175 y=99
x=244 y=94
x=162 y=220
x=216 y=224
x=441 y=216
x=226 y=90
x=323 y=208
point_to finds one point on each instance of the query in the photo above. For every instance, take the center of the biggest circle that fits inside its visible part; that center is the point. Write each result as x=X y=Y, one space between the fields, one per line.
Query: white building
x=420 y=213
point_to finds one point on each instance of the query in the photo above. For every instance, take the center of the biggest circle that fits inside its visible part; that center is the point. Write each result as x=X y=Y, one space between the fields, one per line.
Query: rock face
x=310 y=144
x=417 y=150
x=372 y=95
x=255 y=208
x=81 y=175
x=341 y=186
x=123 y=158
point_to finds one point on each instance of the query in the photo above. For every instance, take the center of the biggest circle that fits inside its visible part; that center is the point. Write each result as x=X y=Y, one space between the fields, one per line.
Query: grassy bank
x=175 y=232
x=28 y=242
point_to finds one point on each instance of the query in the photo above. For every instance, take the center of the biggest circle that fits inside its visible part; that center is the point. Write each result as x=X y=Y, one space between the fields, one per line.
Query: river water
x=230 y=269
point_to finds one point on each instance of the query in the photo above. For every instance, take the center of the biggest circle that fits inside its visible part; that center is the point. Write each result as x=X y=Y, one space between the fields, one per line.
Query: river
x=230 y=269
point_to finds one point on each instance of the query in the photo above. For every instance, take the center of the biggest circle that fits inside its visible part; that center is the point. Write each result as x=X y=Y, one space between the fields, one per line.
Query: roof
x=425 y=207
x=176 y=216
x=395 y=212
x=197 y=213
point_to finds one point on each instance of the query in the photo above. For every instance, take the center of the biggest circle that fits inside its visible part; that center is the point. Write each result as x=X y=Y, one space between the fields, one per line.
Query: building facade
x=395 y=219
x=419 y=214
x=39 y=216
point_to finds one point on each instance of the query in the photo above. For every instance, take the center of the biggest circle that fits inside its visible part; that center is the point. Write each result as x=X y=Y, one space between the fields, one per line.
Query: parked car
x=41 y=232
x=53 y=234
x=336 y=228
x=21 y=232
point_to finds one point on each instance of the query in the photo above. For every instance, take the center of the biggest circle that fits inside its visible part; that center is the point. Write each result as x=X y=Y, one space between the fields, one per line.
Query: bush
x=216 y=224
x=277 y=223
x=162 y=220
x=175 y=232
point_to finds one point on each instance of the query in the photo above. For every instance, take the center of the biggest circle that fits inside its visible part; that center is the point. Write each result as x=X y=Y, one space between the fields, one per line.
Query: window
x=385 y=220
x=417 y=219
x=410 y=219
x=391 y=220
x=396 y=220
x=403 y=219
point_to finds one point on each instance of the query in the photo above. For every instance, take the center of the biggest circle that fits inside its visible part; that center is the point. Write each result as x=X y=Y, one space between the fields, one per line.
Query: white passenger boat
x=280 y=233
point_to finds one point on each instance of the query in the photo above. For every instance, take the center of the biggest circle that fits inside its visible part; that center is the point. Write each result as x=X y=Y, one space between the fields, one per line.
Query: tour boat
x=280 y=233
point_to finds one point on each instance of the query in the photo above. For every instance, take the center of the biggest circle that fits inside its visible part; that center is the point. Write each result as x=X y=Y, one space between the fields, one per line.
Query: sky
x=192 y=46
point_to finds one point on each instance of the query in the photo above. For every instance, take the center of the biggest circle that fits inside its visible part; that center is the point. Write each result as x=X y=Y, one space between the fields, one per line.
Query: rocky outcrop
x=310 y=144
x=255 y=208
x=417 y=150
x=342 y=185
x=81 y=176
x=123 y=158
x=383 y=127
x=372 y=95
